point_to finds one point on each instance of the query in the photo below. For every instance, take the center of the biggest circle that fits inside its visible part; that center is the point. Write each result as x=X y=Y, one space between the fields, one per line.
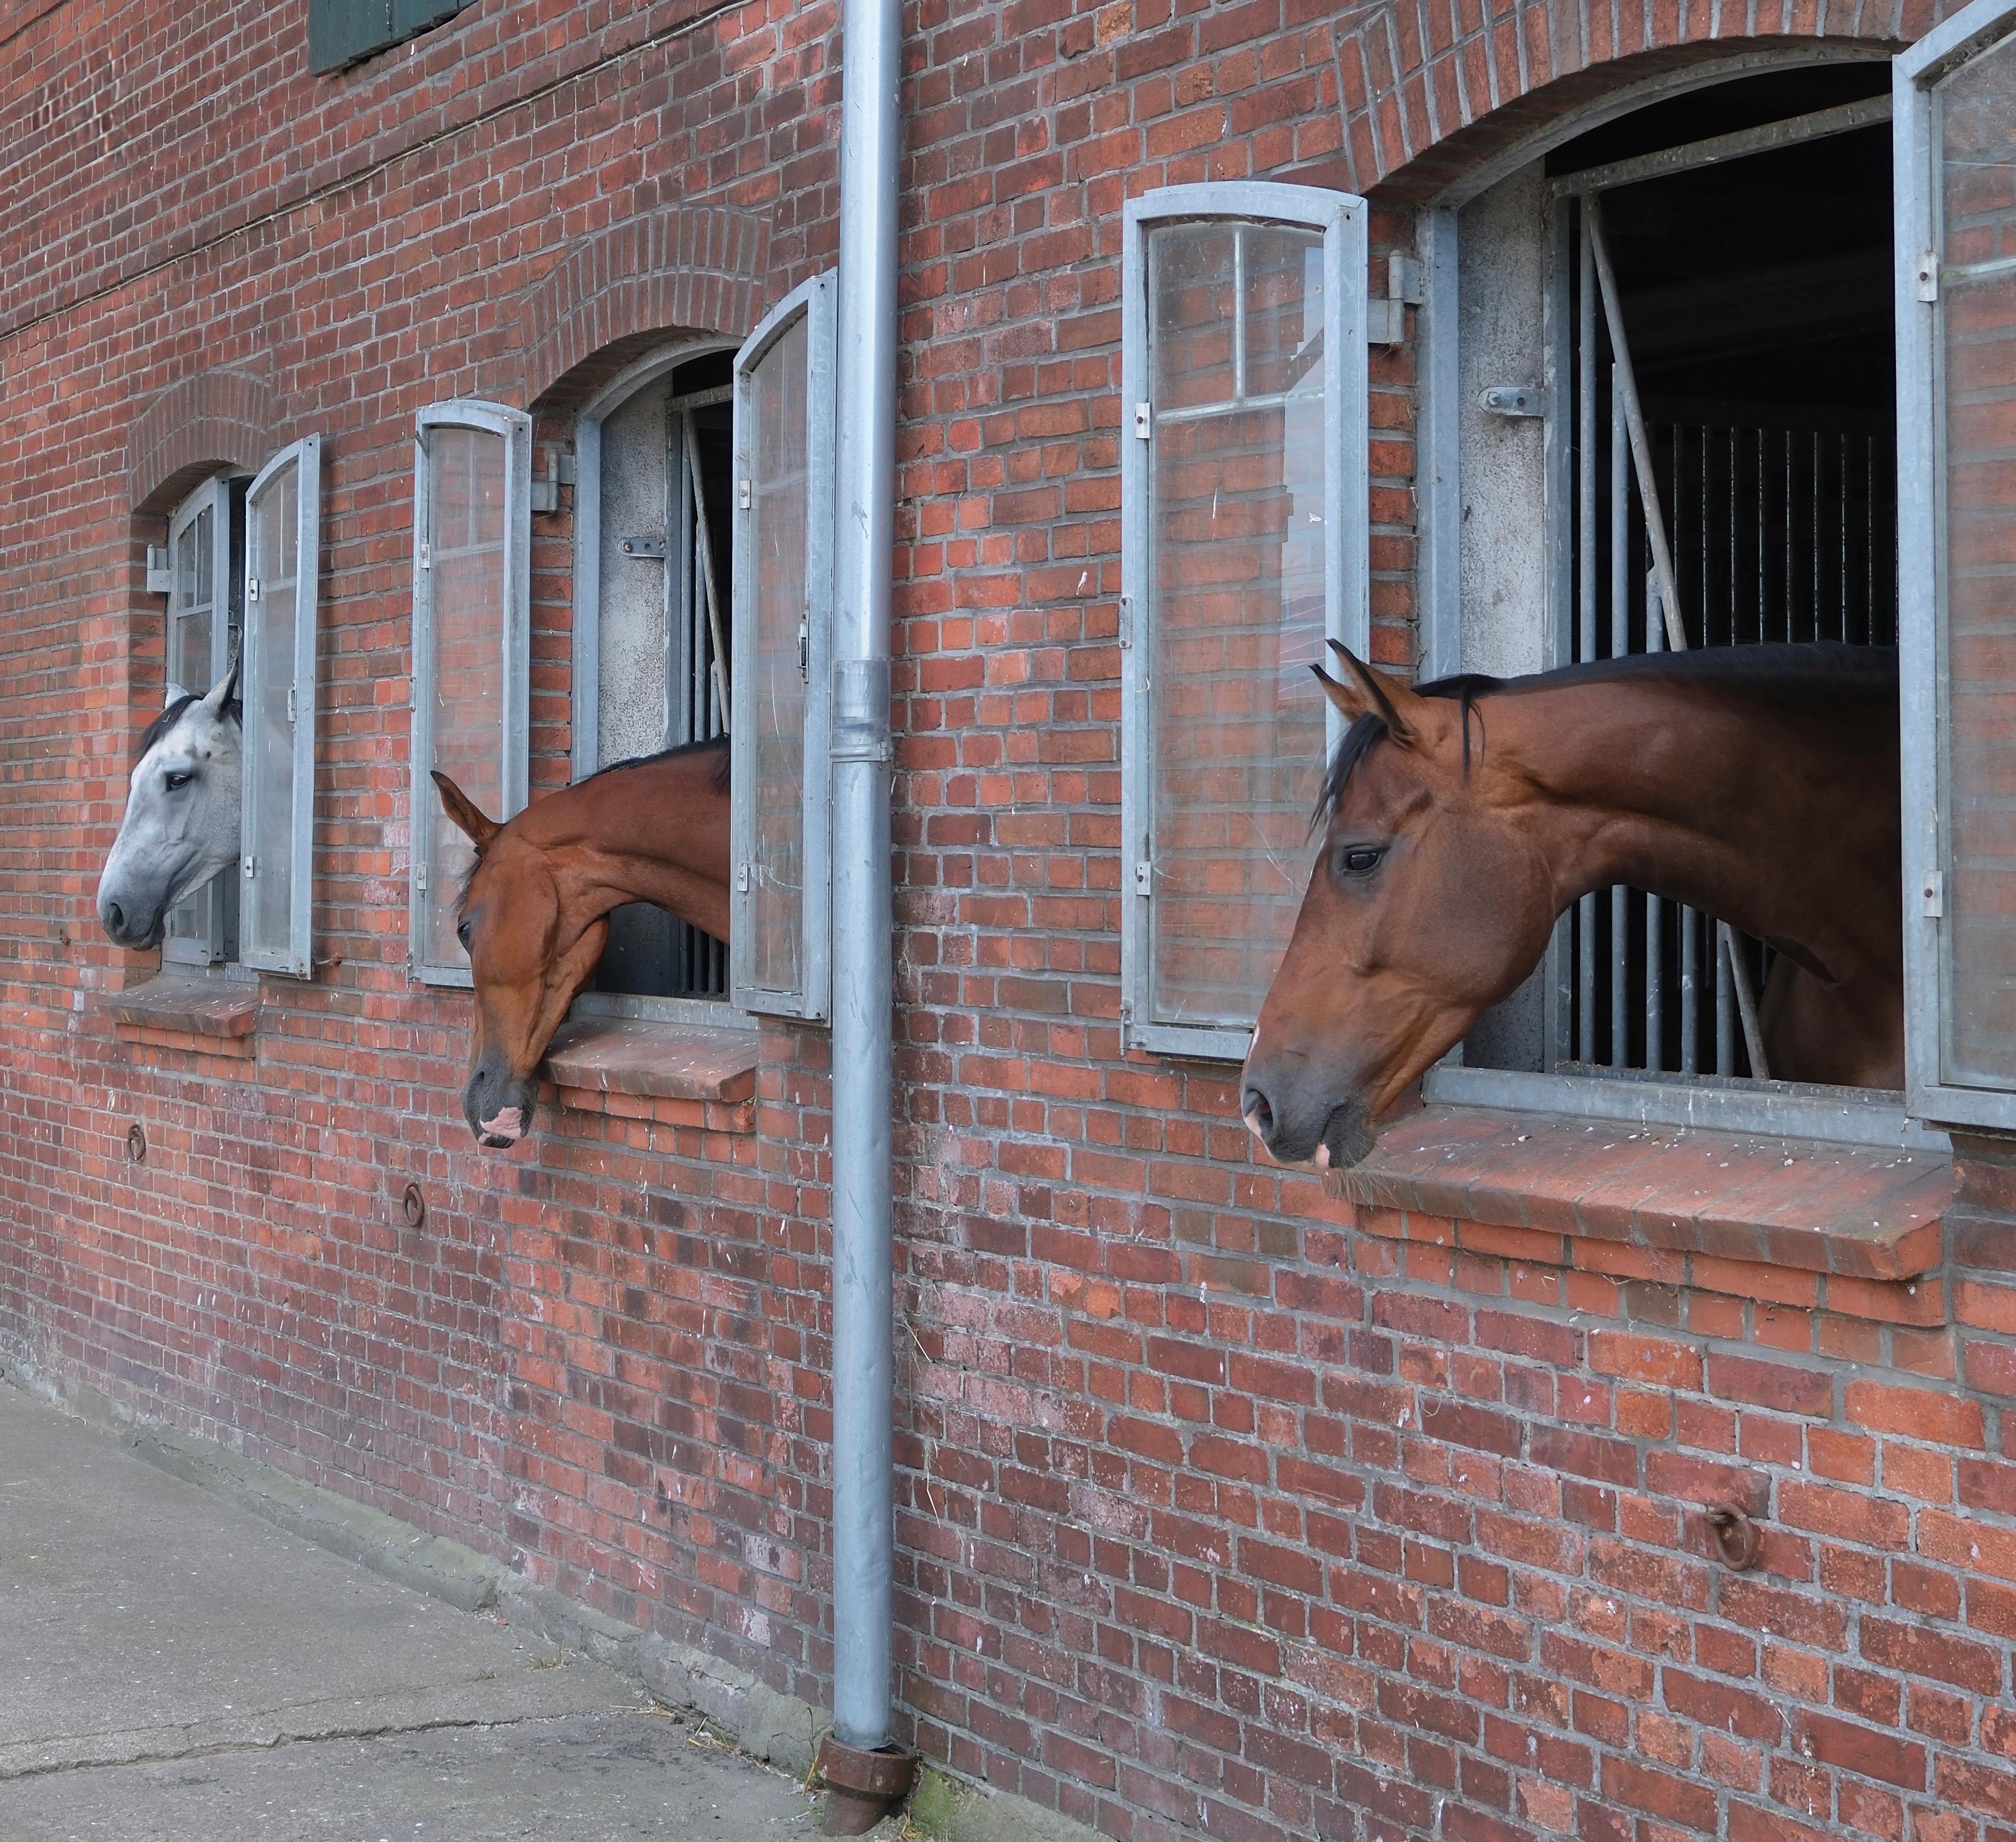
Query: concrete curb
x=779 y=1729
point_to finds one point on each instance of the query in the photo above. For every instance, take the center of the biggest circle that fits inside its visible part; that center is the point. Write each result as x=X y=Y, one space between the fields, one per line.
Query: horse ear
x=223 y=693
x=1371 y=693
x=464 y=811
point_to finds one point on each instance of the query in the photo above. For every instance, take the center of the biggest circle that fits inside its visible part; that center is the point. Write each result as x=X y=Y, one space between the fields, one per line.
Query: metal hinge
x=1144 y=879
x=1126 y=621
x=251 y=587
x=1929 y=276
x=1141 y=422
x=160 y=576
x=744 y=491
x=546 y=486
x=1514 y=399
x=1403 y=280
x=1385 y=322
x=1934 y=895
x=292 y=718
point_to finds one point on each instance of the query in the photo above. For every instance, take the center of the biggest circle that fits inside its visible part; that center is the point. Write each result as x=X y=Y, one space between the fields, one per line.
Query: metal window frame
x=1342 y=220
x=1921 y=580
x=1843 y=1115
x=815 y=303
x=214 y=495
x=305 y=457
x=514 y=428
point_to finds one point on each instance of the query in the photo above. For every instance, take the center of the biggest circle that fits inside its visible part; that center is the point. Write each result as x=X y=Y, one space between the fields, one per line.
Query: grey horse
x=182 y=814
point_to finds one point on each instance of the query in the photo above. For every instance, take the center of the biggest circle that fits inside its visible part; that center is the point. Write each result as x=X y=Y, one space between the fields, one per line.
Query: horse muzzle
x=1301 y=1127
x=498 y=1108
x=139 y=928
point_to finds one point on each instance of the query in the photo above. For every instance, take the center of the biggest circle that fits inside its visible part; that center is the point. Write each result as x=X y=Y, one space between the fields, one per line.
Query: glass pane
x=1237 y=546
x=269 y=727
x=778 y=515
x=466 y=523
x=1978 y=144
x=190 y=924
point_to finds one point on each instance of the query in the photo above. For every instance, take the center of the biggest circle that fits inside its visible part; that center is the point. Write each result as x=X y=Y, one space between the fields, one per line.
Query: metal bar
x=1585 y=600
x=1586 y=979
x=1655 y=971
x=1689 y=992
x=1725 y=1012
x=863 y=971
x=1845 y=119
x=1655 y=533
x=703 y=546
x=1620 y=645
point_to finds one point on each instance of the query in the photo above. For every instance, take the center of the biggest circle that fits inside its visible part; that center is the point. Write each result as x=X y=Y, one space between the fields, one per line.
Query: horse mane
x=1787 y=677
x=718 y=785
x=166 y=720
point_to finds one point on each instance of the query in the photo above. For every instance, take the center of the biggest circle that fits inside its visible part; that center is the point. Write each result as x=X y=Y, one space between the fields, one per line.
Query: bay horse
x=534 y=913
x=181 y=825
x=1461 y=818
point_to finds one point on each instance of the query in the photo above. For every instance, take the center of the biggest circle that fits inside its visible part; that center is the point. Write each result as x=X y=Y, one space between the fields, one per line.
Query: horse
x=534 y=915
x=181 y=821
x=1461 y=818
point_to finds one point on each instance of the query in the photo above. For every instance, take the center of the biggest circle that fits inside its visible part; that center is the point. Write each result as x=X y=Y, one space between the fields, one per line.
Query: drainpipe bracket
x=862 y=1784
x=860 y=709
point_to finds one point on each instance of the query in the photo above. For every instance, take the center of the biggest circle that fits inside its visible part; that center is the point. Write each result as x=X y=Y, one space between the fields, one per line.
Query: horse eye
x=462 y=932
x=1359 y=860
x=177 y=779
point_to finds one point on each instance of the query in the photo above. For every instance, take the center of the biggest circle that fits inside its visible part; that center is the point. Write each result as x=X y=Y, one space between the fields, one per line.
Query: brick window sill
x=191 y=1015
x=1539 y=1183
x=669 y=1074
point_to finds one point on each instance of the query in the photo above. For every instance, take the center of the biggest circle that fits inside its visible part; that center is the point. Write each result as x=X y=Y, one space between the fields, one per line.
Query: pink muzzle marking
x=508 y=1121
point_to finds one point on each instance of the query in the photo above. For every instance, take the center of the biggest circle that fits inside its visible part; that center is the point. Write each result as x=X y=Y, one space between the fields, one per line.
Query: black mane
x=1782 y=676
x=720 y=781
x=172 y=714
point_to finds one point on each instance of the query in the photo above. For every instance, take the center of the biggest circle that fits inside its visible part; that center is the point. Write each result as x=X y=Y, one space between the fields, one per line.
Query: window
x=341 y=32
x=205 y=553
x=783 y=594
x=283 y=521
x=472 y=651
x=1956 y=329
x=1245 y=524
x=654 y=571
x=1749 y=229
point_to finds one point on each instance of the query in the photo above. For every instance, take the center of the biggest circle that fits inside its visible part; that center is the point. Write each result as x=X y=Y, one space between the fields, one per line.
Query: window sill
x=1857 y=1211
x=199 y=1015
x=671 y=1074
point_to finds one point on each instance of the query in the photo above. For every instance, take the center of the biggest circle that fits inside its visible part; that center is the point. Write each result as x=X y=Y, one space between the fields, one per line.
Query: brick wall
x=1224 y=1507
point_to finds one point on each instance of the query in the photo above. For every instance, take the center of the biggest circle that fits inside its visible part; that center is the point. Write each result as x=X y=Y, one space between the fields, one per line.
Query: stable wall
x=1227 y=1507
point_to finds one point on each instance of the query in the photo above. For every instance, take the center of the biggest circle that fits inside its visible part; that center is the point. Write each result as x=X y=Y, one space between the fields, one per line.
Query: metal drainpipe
x=864 y=1780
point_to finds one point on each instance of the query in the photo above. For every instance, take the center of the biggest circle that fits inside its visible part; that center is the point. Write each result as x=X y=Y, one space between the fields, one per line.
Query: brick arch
x=213 y=418
x=696 y=268
x=1424 y=105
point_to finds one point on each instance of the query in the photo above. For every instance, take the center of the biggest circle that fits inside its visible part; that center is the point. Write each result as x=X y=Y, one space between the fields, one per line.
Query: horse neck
x=1774 y=821
x=653 y=833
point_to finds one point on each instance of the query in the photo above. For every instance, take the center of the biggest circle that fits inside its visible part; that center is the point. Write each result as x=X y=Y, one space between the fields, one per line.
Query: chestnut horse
x=1758 y=784
x=535 y=915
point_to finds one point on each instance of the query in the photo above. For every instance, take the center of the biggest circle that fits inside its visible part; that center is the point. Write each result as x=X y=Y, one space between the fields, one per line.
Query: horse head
x=531 y=953
x=1428 y=904
x=182 y=814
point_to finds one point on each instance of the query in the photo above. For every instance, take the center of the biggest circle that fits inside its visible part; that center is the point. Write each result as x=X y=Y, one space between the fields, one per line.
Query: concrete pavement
x=172 y=1666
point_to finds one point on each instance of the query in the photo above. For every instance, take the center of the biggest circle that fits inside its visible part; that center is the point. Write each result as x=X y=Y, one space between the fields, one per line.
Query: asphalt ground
x=173 y=1666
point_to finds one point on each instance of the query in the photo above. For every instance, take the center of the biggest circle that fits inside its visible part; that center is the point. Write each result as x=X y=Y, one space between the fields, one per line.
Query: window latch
x=291 y=717
x=1144 y=878
x=1141 y=422
x=420 y=878
x=426 y=554
x=251 y=867
x=804 y=652
x=743 y=495
x=1934 y=895
x=251 y=587
x=1929 y=276
x=742 y=879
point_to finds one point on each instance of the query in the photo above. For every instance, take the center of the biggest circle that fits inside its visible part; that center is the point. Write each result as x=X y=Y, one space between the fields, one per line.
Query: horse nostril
x=1259 y=1115
x=114 y=918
